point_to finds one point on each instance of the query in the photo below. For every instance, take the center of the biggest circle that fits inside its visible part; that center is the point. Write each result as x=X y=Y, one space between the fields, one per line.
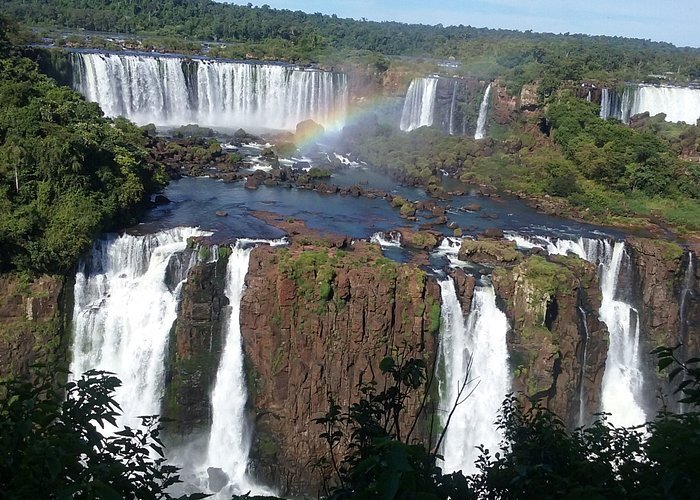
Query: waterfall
x=230 y=436
x=680 y=104
x=483 y=112
x=419 y=105
x=582 y=376
x=453 y=107
x=229 y=439
x=628 y=96
x=173 y=91
x=622 y=391
x=481 y=341
x=686 y=294
x=126 y=295
x=388 y=239
x=588 y=96
x=610 y=106
x=623 y=377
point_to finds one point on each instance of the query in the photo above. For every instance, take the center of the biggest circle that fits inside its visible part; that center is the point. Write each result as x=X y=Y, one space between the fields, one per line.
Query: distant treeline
x=294 y=35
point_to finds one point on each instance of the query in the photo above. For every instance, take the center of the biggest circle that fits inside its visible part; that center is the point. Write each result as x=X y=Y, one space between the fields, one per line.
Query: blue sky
x=674 y=21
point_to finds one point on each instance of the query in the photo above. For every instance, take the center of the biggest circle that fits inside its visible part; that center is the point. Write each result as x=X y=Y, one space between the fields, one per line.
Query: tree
x=54 y=447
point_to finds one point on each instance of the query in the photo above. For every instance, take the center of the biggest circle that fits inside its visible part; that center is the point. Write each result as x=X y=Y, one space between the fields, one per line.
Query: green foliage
x=435 y=316
x=382 y=461
x=66 y=173
x=268 y=33
x=53 y=447
x=313 y=273
x=541 y=458
x=610 y=153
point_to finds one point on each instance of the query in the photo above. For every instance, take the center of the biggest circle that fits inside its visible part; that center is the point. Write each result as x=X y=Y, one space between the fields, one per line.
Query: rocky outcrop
x=33 y=323
x=504 y=105
x=195 y=349
x=661 y=277
x=489 y=251
x=557 y=344
x=457 y=102
x=315 y=323
x=658 y=269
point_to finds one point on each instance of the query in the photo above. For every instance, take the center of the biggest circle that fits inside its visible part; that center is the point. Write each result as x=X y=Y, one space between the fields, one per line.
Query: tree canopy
x=66 y=172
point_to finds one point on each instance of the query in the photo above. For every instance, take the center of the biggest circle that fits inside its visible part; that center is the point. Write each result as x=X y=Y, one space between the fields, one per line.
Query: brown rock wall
x=547 y=304
x=34 y=319
x=305 y=342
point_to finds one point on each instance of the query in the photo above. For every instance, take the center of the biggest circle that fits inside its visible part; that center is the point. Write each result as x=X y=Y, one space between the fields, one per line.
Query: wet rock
x=355 y=191
x=161 y=200
x=472 y=207
x=306 y=341
x=492 y=232
x=218 y=479
x=221 y=213
x=327 y=188
x=422 y=240
x=489 y=251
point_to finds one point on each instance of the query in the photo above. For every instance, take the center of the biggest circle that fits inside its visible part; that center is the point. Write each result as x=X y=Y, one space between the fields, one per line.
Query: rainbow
x=340 y=117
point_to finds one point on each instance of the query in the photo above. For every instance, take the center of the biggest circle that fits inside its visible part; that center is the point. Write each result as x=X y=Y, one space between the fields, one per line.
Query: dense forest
x=66 y=173
x=297 y=36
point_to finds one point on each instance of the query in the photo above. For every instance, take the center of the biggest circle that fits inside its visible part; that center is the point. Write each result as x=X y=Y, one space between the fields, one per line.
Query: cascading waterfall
x=230 y=436
x=481 y=339
x=483 y=113
x=229 y=439
x=172 y=91
x=126 y=295
x=686 y=293
x=610 y=106
x=453 y=107
x=622 y=391
x=419 y=105
x=680 y=104
x=623 y=377
x=582 y=375
x=388 y=239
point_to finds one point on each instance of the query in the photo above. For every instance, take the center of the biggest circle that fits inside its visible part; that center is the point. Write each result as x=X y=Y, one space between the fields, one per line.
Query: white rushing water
x=173 y=91
x=686 y=293
x=391 y=239
x=453 y=108
x=582 y=414
x=230 y=435
x=680 y=104
x=622 y=390
x=419 y=106
x=609 y=104
x=229 y=439
x=483 y=113
x=126 y=295
x=481 y=338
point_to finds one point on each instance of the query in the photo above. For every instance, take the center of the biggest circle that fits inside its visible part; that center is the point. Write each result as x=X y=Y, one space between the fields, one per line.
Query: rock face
x=504 y=105
x=315 y=324
x=457 y=104
x=552 y=306
x=33 y=323
x=661 y=276
x=195 y=349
